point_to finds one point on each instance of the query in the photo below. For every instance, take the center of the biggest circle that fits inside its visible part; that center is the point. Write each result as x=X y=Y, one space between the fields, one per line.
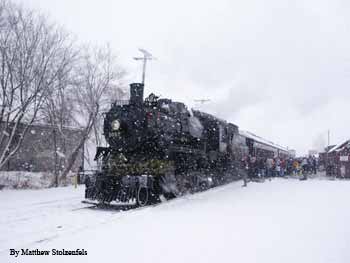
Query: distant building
x=339 y=160
x=45 y=149
x=292 y=153
x=313 y=152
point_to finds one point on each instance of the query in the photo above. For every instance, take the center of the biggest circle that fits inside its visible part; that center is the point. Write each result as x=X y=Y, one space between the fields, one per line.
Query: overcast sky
x=278 y=68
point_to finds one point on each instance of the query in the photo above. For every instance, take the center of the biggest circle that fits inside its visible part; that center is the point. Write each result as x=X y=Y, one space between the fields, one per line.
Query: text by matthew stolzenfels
x=52 y=252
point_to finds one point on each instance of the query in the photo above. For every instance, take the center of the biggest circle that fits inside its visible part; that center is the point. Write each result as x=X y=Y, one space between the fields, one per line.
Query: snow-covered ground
x=283 y=220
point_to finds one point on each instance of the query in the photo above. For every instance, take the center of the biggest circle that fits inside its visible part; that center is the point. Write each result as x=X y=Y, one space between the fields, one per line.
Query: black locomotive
x=159 y=148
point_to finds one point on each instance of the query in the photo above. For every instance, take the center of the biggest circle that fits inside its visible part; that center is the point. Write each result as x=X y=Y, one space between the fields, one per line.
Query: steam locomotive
x=159 y=148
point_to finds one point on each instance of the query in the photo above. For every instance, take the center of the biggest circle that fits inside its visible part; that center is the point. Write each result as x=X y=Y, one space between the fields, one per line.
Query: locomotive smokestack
x=136 y=93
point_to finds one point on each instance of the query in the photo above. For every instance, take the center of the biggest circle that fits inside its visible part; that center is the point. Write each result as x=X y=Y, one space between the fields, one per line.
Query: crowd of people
x=261 y=168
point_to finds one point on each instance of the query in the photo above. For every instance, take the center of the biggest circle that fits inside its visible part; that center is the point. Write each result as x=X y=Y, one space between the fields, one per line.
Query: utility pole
x=329 y=135
x=146 y=56
x=328 y=143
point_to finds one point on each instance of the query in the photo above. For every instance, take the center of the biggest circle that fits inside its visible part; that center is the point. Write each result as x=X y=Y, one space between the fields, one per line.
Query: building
x=313 y=152
x=337 y=160
x=46 y=149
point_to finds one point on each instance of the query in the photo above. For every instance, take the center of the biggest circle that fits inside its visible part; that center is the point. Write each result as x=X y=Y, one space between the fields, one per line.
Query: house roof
x=339 y=146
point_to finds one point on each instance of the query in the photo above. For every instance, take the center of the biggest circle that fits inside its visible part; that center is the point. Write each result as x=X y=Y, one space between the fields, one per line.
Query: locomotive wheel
x=142 y=196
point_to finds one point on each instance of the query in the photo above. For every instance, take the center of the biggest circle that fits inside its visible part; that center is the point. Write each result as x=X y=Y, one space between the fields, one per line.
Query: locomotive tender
x=158 y=147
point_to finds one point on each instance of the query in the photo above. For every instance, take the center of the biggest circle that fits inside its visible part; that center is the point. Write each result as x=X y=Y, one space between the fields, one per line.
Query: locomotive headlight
x=115 y=125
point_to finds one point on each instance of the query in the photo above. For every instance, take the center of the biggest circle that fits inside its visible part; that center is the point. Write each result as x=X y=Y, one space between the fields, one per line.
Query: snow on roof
x=334 y=148
x=261 y=140
x=339 y=146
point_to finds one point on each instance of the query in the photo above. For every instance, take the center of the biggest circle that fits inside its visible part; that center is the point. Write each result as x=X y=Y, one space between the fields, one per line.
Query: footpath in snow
x=283 y=220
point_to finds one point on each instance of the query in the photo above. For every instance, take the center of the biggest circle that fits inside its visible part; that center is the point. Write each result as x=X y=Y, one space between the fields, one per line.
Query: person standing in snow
x=305 y=169
x=262 y=168
x=314 y=165
x=245 y=169
x=296 y=167
x=283 y=167
x=253 y=167
x=278 y=167
x=269 y=167
x=290 y=166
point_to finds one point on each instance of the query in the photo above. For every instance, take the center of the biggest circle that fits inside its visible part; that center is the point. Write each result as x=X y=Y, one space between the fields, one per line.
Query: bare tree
x=33 y=54
x=57 y=111
x=97 y=77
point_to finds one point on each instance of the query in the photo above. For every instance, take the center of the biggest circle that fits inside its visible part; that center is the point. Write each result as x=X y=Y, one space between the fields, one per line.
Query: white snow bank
x=30 y=180
x=20 y=180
